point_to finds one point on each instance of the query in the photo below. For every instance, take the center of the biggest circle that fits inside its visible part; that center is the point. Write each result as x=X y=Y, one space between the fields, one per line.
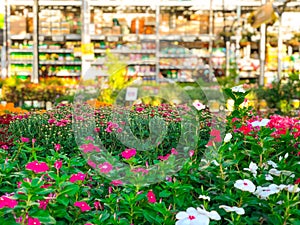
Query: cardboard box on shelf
x=17 y=25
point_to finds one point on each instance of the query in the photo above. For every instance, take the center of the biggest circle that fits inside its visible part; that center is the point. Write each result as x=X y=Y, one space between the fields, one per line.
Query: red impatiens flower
x=7 y=202
x=128 y=153
x=297 y=181
x=33 y=221
x=77 y=176
x=151 y=197
x=58 y=164
x=37 y=167
x=83 y=206
x=163 y=158
x=105 y=167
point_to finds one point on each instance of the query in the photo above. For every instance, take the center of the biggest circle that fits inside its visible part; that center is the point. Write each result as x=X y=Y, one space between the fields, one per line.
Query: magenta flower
x=57 y=147
x=174 y=151
x=51 y=121
x=91 y=164
x=140 y=170
x=43 y=204
x=83 y=206
x=128 y=153
x=58 y=164
x=89 y=148
x=139 y=109
x=33 y=221
x=191 y=153
x=105 y=167
x=37 y=167
x=163 y=158
x=151 y=197
x=111 y=127
x=97 y=205
x=7 y=202
x=97 y=129
x=77 y=176
x=24 y=139
x=89 y=138
x=116 y=182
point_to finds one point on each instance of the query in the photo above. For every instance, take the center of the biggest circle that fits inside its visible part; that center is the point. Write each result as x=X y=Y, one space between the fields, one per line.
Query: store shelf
x=177 y=56
x=20 y=50
x=21 y=37
x=46 y=2
x=181 y=67
x=121 y=51
x=127 y=63
x=21 y=61
x=60 y=62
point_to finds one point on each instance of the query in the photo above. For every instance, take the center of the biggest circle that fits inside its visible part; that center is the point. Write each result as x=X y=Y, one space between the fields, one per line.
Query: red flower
x=76 y=177
x=105 y=167
x=151 y=197
x=97 y=205
x=33 y=221
x=83 y=206
x=297 y=181
x=7 y=202
x=58 y=164
x=37 y=167
x=128 y=153
x=245 y=129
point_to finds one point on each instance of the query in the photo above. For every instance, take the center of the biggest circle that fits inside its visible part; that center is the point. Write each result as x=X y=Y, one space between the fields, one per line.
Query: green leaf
x=229 y=93
x=70 y=189
x=164 y=194
x=44 y=217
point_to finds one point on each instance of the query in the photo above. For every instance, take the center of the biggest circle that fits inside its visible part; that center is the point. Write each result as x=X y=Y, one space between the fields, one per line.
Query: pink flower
x=33 y=140
x=5 y=147
x=89 y=148
x=89 y=138
x=51 y=121
x=105 y=167
x=139 y=109
x=77 y=176
x=58 y=164
x=111 y=126
x=151 y=197
x=57 y=147
x=24 y=139
x=163 y=158
x=140 y=170
x=83 y=206
x=116 y=182
x=191 y=153
x=33 y=221
x=37 y=167
x=43 y=204
x=174 y=151
x=128 y=153
x=97 y=205
x=91 y=164
x=7 y=202
x=97 y=129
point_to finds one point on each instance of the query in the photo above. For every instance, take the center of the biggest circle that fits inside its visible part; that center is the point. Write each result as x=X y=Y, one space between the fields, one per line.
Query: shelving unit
x=169 y=39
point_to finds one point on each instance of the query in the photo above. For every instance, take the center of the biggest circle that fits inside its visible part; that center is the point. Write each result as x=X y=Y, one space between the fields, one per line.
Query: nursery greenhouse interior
x=167 y=112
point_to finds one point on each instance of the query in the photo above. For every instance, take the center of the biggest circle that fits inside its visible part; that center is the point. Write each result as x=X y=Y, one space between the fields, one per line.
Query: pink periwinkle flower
x=105 y=167
x=57 y=147
x=37 y=167
x=77 y=177
x=24 y=139
x=128 y=153
x=58 y=164
x=83 y=206
x=33 y=221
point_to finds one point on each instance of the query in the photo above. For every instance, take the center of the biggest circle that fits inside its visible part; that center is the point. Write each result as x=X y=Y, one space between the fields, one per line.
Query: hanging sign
x=131 y=94
x=263 y=15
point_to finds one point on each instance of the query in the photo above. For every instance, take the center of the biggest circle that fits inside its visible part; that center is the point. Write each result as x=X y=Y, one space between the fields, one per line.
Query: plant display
x=247 y=175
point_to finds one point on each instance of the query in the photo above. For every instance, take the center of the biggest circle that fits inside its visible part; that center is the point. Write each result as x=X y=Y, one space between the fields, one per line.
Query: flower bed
x=247 y=175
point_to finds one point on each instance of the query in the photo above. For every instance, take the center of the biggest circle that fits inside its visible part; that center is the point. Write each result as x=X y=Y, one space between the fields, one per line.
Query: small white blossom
x=215 y=162
x=269 y=177
x=238 y=210
x=265 y=192
x=292 y=188
x=280 y=158
x=245 y=185
x=286 y=155
x=275 y=172
x=198 y=105
x=190 y=217
x=271 y=163
x=212 y=215
x=227 y=137
x=238 y=88
x=262 y=123
x=280 y=202
x=204 y=197
x=252 y=168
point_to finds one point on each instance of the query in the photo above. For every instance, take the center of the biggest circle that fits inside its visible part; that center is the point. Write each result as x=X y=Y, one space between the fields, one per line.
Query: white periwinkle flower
x=198 y=105
x=191 y=217
x=275 y=172
x=269 y=177
x=238 y=210
x=252 y=168
x=204 y=197
x=292 y=188
x=262 y=123
x=271 y=163
x=245 y=185
x=211 y=215
x=227 y=137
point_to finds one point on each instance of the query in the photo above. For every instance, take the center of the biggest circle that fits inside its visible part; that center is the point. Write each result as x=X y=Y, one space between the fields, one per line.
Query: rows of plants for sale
x=58 y=167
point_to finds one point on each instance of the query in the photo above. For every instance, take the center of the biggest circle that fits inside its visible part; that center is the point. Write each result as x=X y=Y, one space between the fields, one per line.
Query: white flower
x=191 y=217
x=275 y=172
x=280 y=158
x=212 y=215
x=196 y=217
x=238 y=89
x=265 y=192
x=280 y=202
x=227 y=137
x=269 y=177
x=238 y=210
x=271 y=163
x=198 y=105
x=287 y=173
x=245 y=185
x=204 y=197
x=215 y=162
x=286 y=155
x=252 y=168
x=262 y=123
x=292 y=188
